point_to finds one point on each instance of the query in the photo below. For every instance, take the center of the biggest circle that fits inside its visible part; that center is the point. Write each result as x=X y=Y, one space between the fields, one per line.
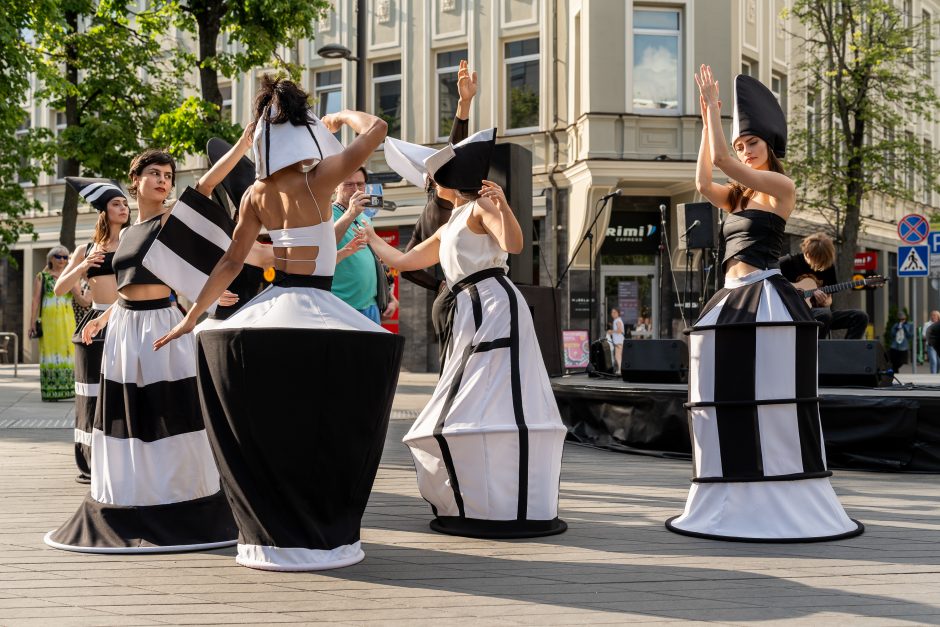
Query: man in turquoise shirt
x=354 y=280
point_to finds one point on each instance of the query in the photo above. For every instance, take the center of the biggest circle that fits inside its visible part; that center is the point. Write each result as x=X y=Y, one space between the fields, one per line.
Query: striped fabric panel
x=150 y=412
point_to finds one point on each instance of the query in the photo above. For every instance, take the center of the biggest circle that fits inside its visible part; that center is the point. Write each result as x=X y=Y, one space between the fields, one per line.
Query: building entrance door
x=632 y=290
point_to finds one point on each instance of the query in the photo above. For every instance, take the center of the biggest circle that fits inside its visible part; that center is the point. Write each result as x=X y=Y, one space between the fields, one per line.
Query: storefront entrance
x=632 y=290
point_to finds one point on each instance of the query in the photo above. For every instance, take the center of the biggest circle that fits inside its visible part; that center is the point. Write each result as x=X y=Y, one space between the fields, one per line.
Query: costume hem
x=859 y=529
x=497 y=529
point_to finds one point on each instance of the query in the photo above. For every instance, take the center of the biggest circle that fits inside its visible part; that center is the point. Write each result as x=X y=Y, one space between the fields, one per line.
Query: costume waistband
x=320 y=282
x=99 y=306
x=144 y=305
x=476 y=277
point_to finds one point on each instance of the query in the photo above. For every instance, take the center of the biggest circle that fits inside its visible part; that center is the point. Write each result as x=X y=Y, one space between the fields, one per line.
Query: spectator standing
x=53 y=322
x=901 y=334
x=616 y=333
x=932 y=355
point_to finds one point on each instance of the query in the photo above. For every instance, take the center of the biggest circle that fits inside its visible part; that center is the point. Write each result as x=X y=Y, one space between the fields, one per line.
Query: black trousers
x=854 y=321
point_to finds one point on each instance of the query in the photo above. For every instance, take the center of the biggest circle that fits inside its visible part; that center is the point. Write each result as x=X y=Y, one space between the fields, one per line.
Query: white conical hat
x=460 y=166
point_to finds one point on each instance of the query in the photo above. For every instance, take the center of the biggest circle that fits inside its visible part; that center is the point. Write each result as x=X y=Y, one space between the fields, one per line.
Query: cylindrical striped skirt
x=758 y=456
x=488 y=446
x=154 y=484
x=297 y=389
x=87 y=380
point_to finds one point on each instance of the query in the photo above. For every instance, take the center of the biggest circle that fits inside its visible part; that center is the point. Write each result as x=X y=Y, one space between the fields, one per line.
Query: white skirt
x=488 y=445
x=758 y=455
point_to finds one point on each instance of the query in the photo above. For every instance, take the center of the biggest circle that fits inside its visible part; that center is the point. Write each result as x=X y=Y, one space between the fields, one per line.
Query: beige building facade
x=602 y=94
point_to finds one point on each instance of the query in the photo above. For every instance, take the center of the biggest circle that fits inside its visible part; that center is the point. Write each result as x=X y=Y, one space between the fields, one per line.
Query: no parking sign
x=913 y=228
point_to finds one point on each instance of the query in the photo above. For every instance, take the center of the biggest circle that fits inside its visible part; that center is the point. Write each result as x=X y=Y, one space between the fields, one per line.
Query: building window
x=60 y=125
x=910 y=180
x=327 y=89
x=522 y=84
x=657 y=50
x=386 y=94
x=909 y=26
x=929 y=173
x=838 y=142
x=889 y=155
x=226 y=112
x=812 y=123
x=21 y=132
x=927 y=44
x=778 y=85
x=749 y=67
x=447 y=65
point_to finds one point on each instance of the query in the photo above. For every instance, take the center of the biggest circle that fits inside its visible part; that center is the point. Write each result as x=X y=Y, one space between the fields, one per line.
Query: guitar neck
x=840 y=287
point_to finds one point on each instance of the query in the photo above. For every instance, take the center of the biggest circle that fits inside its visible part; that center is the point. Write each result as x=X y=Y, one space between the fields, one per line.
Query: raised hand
x=332 y=122
x=495 y=193
x=708 y=86
x=466 y=82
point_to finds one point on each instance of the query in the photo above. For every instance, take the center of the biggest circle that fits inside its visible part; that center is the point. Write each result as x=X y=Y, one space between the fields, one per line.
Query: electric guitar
x=809 y=284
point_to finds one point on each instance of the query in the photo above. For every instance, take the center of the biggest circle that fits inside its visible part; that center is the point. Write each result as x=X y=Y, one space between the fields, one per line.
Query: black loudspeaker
x=511 y=169
x=544 y=306
x=655 y=361
x=855 y=363
x=698 y=225
x=601 y=359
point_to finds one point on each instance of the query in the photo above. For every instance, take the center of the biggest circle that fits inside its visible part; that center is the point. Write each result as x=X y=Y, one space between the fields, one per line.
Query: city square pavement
x=616 y=564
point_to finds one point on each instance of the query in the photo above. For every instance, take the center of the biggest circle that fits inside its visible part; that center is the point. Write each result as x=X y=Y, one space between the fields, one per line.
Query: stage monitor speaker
x=601 y=359
x=698 y=225
x=655 y=361
x=854 y=363
x=544 y=306
x=511 y=169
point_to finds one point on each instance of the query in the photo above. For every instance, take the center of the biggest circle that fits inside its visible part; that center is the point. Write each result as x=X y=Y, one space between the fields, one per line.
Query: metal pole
x=914 y=284
x=360 y=55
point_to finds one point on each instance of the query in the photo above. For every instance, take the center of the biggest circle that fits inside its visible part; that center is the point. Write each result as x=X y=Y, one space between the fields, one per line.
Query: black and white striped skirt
x=759 y=461
x=488 y=446
x=154 y=484
x=297 y=389
x=87 y=379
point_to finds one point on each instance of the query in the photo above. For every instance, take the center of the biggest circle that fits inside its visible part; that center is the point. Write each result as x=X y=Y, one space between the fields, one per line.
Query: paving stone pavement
x=617 y=564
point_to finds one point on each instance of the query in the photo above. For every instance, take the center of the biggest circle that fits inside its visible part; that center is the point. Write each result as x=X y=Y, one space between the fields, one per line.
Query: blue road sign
x=913 y=260
x=913 y=228
x=933 y=240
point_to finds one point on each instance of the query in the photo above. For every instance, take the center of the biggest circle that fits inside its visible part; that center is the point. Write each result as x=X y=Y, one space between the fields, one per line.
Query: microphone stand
x=689 y=283
x=588 y=236
x=658 y=332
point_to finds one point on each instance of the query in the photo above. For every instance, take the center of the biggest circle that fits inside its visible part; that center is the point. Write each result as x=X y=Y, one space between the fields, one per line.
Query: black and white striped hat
x=96 y=192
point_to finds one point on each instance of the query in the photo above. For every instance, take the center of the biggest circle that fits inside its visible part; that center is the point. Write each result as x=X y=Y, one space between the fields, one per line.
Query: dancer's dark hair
x=289 y=100
x=149 y=157
x=739 y=195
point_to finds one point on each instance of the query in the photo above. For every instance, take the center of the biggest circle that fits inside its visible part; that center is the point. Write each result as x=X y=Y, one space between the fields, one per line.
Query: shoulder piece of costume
x=277 y=146
x=757 y=112
x=240 y=178
x=96 y=192
x=461 y=166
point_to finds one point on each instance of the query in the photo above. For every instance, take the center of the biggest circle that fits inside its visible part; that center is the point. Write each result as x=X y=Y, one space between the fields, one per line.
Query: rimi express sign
x=632 y=233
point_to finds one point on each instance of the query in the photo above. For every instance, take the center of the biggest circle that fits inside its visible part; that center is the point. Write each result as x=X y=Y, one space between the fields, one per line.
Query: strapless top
x=319 y=235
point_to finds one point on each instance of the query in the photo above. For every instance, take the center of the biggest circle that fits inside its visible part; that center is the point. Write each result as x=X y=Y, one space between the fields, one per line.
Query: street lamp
x=337 y=51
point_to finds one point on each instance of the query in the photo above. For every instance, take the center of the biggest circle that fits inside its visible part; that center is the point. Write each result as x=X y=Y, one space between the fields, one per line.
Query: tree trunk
x=209 y=25
x=845 y=261
x=70 y=203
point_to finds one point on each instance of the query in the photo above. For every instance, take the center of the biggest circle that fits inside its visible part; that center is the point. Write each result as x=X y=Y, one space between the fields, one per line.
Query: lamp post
x=337 y=51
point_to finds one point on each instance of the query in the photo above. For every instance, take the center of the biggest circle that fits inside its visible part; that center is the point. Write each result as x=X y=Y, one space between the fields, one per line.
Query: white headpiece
x=277 y=146
x=460 y=166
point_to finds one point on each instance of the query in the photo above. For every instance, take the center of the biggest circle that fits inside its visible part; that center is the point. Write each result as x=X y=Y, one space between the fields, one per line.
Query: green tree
x=863 y=67
x=254 y=33
x=110 y=77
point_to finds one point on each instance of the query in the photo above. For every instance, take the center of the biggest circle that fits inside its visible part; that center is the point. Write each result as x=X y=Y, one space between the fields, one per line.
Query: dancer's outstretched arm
x=217 y=173
x=424 y=255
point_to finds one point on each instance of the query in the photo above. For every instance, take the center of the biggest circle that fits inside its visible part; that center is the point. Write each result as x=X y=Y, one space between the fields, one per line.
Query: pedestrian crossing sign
x=913 y=260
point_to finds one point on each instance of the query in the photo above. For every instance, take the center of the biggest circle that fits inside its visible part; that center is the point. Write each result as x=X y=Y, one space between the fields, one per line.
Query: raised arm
x=716 y=193
x=371 y=133
x=498 y=218
x=244 y=237
x=424 y=255
x=214 y=176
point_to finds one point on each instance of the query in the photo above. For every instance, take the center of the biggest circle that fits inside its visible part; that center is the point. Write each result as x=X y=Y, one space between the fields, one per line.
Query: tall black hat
x=757 y=112
x=96 y=192
x=462 y=166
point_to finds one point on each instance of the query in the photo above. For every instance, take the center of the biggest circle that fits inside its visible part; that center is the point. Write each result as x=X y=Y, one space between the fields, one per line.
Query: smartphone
x=374 y=192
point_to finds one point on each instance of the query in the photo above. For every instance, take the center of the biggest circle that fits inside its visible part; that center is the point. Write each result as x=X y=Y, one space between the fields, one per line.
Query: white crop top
x=320 y=235
x=464 y=252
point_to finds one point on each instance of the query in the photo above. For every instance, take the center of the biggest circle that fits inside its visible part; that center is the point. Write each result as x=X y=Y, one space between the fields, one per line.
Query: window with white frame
x=657 y=54
x=908 y=12
x=812 y=123
x=929 y=173
x=749 y=67
x=927 y=43
x=522 y=84
x=327 y=89
x=778 y=86
x=448 y=63
x=386 y=94
x=889 y=154
x=910 y=180
x=226 y=112
x=60 y=125
x=21 y=132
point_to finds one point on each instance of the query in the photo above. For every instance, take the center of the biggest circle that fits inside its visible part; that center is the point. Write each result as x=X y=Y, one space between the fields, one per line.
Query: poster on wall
x=391 y=237
x=577 y=348
x=628 y=301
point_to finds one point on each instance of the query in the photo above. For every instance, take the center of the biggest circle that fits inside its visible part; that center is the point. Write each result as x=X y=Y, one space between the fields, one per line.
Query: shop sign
x=632 y=233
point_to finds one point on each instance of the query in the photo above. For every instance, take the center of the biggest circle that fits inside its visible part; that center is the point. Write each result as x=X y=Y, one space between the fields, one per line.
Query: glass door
x=633 y=291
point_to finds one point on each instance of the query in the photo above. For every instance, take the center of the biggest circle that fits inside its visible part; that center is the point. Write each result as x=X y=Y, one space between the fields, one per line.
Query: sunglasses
x=60 y=257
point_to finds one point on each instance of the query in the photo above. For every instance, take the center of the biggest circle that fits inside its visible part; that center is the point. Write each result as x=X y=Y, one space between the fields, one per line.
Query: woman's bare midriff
x=103 y=289
x=735 y=269
x=144 y=292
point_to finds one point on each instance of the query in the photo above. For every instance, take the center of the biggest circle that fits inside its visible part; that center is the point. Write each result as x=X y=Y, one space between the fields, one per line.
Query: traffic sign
x=933 y=240
x=913 y=228
x=913 y=261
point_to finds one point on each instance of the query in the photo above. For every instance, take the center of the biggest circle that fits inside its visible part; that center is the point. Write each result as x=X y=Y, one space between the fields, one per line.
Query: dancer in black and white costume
x=154 y=484
x=92 y=262
x=297 y=386
x=488 y=446
x=759 y=462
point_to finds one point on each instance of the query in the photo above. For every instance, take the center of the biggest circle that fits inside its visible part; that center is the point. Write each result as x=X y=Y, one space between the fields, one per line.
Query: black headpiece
x=757 y=112
x=96 y=192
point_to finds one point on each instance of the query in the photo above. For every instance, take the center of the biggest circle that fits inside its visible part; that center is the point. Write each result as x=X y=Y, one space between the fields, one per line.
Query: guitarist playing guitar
x=815 y=259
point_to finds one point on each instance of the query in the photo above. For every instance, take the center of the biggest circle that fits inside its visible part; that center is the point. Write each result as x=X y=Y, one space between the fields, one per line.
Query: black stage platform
x=889 y=429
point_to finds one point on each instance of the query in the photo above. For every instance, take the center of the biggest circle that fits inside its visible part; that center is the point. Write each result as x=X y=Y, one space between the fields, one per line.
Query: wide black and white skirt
x=87 y=380
x=297 y=389
x=154 y=484
x=759 y=460
x=488 y=446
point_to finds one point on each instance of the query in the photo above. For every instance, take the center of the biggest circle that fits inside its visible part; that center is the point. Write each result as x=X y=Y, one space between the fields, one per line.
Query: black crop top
x=128 y=259
x=753 y=236
x=106 y=267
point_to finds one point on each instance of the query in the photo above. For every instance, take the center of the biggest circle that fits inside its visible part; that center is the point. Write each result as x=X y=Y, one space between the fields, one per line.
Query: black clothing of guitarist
x=854 y=321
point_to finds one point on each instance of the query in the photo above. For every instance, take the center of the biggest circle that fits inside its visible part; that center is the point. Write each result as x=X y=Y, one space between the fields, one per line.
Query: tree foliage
x=864 y=68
